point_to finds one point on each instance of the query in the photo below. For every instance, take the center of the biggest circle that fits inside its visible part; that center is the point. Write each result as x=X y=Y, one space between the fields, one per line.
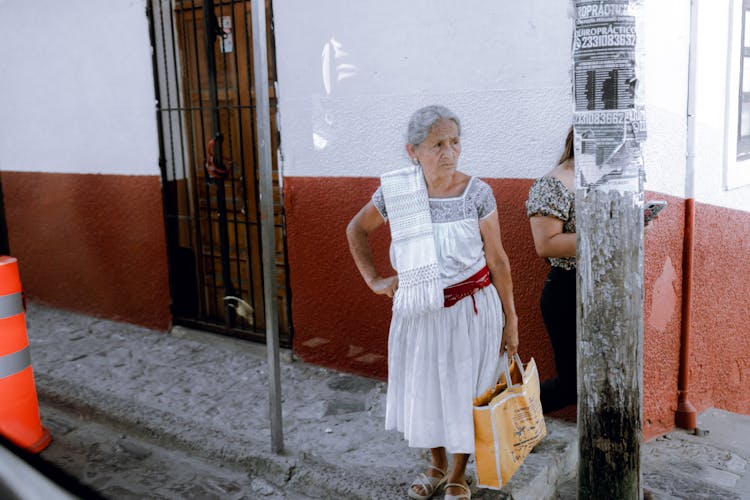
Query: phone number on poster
x=611 y=118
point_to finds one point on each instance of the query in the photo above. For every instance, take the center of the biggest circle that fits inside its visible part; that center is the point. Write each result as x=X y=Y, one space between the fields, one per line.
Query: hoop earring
x=414 y=160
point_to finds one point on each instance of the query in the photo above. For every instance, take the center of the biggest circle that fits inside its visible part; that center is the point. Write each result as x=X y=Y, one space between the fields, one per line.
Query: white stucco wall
x=666 y=38
x=504 y=67
x=77 y=92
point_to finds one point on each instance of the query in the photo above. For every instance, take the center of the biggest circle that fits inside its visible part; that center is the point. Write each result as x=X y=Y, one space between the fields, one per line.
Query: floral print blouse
x=548 y=196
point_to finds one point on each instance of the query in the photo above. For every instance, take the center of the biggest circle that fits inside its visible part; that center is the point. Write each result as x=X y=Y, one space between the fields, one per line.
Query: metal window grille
x=743 y=127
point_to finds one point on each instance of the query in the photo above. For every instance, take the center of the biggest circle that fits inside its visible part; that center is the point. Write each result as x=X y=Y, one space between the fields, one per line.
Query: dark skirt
x=559 y=313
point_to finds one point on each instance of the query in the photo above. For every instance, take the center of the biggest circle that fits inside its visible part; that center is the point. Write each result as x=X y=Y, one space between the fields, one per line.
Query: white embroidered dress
x=439 y=361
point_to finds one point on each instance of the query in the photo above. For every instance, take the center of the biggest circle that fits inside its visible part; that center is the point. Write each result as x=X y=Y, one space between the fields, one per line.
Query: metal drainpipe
x=685 y=416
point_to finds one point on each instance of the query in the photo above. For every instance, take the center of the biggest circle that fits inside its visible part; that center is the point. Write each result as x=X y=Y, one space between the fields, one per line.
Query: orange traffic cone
x=19 y=410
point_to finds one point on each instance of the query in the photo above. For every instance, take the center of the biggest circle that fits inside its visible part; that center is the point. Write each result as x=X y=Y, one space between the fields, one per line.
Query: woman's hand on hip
x=509 y=341
x=384 y=286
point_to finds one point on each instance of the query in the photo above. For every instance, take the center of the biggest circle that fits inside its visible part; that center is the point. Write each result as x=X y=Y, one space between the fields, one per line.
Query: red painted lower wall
x=91 y=243
x=662 y=316
x=720 y=341
x=95 y=244
x=339 y=323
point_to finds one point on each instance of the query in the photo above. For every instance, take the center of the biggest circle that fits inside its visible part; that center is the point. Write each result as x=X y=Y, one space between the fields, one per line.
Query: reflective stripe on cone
x=10 y=364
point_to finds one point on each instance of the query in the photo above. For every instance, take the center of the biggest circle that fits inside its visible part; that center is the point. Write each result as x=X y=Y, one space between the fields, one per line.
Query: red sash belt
x=467 y=288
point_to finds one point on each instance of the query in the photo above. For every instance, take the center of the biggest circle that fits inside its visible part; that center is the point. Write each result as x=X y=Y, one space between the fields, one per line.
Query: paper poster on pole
x=610 y=124
x=608 y=145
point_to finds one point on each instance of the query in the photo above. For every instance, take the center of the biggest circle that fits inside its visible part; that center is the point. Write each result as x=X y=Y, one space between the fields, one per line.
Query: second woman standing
x=551 y=211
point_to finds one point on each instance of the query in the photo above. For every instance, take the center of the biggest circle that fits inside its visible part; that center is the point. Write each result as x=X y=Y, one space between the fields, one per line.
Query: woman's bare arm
x=499 y=266
x=549 y=239
x=367 y=220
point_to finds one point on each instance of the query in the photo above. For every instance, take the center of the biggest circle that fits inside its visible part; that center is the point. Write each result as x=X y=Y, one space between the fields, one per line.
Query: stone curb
x=548 y=465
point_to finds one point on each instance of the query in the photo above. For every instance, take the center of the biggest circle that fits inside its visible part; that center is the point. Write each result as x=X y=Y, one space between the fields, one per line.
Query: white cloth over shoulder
x=413 y=246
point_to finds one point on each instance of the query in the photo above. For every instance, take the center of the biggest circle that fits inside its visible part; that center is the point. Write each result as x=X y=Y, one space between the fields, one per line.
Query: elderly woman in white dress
x=453 y=311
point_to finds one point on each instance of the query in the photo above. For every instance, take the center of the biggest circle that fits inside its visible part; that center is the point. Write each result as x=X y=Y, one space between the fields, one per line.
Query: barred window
x=737 y=138
x=743 y=127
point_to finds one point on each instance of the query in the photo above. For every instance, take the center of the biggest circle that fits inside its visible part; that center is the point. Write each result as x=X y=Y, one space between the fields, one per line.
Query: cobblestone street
x=120 y=465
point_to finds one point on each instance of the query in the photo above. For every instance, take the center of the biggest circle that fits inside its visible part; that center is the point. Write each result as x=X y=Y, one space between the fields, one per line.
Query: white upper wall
x=351 y=73
x=77 y=91
x=666 y=40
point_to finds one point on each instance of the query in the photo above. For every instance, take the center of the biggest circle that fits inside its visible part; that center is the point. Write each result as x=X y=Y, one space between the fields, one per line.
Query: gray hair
x=424 y=118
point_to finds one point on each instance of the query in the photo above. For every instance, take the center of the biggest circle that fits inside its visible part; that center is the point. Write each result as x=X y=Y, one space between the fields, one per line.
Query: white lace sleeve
x=484 y=199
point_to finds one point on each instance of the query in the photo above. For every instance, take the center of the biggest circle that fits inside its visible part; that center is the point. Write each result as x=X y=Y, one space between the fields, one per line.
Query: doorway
x=203 y=66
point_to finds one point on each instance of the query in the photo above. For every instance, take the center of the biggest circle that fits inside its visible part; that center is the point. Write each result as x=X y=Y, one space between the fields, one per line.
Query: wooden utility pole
x=609 y=129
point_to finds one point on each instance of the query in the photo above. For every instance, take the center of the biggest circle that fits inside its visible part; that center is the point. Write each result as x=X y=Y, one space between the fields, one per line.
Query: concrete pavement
x=206 y=395
x=681 y=465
